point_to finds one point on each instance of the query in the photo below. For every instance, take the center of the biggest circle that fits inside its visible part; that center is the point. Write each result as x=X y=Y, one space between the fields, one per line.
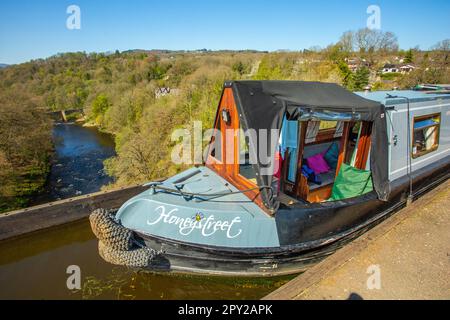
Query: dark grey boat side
x=307 y=232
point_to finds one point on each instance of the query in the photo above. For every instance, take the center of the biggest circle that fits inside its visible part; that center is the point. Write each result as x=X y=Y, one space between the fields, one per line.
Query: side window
x=319 y=131
x=327 y=125
x=426 y=134
x=245 y=167
x=216 y=142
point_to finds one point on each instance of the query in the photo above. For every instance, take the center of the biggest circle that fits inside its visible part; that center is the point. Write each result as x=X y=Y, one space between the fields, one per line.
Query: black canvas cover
x=262 y=105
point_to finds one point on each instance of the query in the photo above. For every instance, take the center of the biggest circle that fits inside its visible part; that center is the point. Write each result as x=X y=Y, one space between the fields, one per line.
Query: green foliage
x=275 y=66
x=353 y=81
x=240 y=68
x=156 y=72
x=25 y=146
x=121 y=93
x=409 y=56
x=360 y=79
x=390 y=76
x=100 y=105
x=346 y=74
x=336 y=53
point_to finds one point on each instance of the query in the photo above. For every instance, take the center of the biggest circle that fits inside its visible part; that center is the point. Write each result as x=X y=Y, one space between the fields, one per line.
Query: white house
x=390 y=68
x=407 y=68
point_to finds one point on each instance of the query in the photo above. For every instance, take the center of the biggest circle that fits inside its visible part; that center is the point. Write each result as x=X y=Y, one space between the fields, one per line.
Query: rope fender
x=117 y=244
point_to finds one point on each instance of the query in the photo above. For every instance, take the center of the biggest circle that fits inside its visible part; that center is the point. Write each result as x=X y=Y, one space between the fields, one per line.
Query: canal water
x=35 y=266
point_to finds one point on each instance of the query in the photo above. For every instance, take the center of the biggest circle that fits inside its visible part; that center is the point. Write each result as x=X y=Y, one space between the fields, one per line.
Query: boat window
x=216 y=142
x=426 y=134
x=352 y=143
x=322 y=131
x=327 y=125
x=245 y=167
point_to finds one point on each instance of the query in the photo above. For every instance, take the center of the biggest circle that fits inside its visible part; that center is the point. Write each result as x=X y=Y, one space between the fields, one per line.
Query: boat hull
x=294 y=257
x=184 y=258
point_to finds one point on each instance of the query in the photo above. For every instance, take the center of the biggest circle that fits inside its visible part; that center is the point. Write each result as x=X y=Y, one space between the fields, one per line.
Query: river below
x=77 y=164
x=35 y=266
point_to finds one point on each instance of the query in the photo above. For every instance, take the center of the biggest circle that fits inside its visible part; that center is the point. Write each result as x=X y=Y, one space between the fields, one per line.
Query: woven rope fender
x=109 y=231
x=116 y=243
x=137 y=258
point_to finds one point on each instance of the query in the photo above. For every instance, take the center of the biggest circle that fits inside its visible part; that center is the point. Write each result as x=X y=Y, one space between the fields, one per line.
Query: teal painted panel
x=229 y=221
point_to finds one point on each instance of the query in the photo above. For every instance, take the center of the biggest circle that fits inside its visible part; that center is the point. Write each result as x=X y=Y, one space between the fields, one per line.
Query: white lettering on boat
x=207 y=227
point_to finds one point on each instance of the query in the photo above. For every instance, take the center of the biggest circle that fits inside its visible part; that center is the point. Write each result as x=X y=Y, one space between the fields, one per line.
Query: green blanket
x=351 y=182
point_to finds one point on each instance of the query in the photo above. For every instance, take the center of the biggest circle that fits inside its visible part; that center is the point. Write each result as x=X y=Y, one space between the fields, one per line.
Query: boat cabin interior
x=309 y=170
x=308 y=161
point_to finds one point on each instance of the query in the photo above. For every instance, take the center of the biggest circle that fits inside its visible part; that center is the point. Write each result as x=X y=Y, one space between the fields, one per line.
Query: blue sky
x=31 y=29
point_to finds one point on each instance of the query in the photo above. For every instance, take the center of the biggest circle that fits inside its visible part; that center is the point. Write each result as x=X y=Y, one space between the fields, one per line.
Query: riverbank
x=27 y=185
x=405 y=257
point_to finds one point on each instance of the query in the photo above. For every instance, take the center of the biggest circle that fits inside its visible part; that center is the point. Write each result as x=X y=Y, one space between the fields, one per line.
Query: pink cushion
x=318 y=164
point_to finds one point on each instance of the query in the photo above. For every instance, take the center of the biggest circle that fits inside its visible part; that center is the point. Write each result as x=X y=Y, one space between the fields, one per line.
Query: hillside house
x=356 y=63
x=407 y=68
x=390 y=68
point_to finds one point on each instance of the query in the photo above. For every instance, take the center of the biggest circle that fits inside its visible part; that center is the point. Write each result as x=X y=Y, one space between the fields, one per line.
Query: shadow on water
x=77 y=164
x=34 y=267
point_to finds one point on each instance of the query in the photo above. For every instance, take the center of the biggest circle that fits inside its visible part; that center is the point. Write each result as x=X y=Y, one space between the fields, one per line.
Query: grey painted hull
x=296 y=253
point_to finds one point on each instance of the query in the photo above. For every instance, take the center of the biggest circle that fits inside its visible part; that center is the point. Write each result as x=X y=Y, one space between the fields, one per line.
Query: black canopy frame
x=263 y=104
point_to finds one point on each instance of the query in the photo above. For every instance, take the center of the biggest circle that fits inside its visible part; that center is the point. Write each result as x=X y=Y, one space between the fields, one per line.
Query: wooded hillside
x=142 y=96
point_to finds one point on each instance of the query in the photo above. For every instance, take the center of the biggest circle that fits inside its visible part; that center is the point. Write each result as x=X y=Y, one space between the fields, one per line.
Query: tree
x=100 y=105
x=367 y=40
x=442 y=45
x=25 y=147
x=442 y=54
x=347 y=41
x=239 y=67
x=409 y=57
x=387 y=42
x=336 y=53
x=346 y=74
x=361 y=78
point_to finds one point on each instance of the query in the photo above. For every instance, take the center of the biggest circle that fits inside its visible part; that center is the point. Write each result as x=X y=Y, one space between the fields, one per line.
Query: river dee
x=77 y=165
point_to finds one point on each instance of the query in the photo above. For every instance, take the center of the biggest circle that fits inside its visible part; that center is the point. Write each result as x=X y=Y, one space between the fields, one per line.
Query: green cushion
x=351 y=182
x=332 y=155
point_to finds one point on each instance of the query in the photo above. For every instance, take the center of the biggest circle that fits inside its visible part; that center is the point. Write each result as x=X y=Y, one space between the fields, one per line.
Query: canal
x=34 y=266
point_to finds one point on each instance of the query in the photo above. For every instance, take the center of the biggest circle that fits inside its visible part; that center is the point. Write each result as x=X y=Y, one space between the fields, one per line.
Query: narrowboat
x=294 y=170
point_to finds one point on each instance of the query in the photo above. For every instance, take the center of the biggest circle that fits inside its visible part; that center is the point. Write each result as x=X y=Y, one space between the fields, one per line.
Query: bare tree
x=366 y=40
x=388 y=42
x=347 y=41
x=443 y=45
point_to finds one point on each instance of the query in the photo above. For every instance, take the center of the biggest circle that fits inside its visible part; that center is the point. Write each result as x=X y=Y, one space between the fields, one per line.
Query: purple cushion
x=318 y=164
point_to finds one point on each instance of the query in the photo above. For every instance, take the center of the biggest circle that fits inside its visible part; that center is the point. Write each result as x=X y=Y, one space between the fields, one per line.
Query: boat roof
x=272 y=94
x=412 y=95
x=262 y=105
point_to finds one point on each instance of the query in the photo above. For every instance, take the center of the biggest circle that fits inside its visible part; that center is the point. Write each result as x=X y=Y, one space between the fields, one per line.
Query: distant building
x=407 y=68
x=390 y=68
x=164 y=91
x=356 y=63
x=393 y=68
